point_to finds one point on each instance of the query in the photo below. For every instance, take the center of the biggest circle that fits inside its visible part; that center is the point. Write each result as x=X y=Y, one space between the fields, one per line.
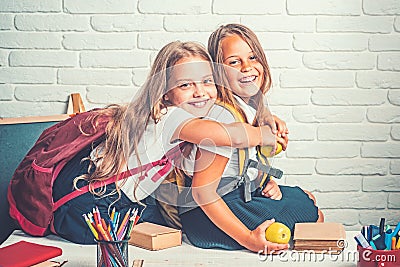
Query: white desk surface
x=188 y=255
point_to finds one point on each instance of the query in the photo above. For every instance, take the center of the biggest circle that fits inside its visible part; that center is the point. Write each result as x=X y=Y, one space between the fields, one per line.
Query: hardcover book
x=328 y=237
x=22 y=254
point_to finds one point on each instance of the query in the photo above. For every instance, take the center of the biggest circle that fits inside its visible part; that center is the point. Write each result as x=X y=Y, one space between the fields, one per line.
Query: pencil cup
x=112 y=253
x=378 y=258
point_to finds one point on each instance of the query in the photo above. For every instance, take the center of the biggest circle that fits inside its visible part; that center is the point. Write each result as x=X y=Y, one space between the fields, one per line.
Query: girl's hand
x=272 y=191
x=268 y=138
x=257 y=241
x=282 y=132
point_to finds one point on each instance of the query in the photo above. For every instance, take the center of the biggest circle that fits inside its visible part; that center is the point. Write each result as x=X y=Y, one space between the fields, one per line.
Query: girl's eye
x=234 y=62
x=208 y=81
x=253 y=57
x=185 y=85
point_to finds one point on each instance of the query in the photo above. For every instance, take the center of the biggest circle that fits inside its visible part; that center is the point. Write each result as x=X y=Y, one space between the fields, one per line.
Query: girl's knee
x=321 y=217
x=310 y=195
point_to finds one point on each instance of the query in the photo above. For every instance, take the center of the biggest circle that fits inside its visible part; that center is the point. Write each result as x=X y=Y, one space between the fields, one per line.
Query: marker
x=388 y=239
x=362 y=241
x=372 y=244
x=397 y=229
x=393 y=243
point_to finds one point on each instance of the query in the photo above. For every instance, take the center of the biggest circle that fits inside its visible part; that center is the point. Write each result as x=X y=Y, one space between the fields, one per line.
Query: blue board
x=15 y=142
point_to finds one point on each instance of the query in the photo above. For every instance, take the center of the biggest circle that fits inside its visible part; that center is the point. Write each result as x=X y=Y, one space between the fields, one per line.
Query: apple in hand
x=278 y=233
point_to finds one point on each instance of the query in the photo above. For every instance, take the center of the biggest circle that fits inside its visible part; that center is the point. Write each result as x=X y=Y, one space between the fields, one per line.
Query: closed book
x=319 y=237
x=155 y=237
x=23 y=254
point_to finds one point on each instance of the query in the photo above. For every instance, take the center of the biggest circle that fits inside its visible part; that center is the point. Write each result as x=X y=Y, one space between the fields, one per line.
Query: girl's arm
x=237 y=134
x=208 y=171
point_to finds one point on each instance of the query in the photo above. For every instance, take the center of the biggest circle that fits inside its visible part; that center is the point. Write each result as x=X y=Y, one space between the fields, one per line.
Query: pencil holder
x=378 y=258
x=112 y=253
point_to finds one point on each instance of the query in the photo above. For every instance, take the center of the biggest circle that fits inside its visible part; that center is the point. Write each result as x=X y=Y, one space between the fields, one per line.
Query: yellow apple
x=278 y=233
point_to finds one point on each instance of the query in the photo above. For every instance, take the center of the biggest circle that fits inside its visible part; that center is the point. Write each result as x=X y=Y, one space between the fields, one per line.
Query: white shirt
x=155 y=142
x=222 y=115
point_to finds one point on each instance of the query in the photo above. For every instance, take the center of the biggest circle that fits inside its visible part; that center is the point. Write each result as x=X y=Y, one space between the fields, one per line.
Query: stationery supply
x=112 y=253
x=328 y=237
x=379 y=245
x=155 y=237
x=23 y=253
x=379 y=238
x=112 y=235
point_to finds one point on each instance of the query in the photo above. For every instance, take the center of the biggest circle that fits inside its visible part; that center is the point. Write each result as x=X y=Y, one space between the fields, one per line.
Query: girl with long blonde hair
x=143 y=132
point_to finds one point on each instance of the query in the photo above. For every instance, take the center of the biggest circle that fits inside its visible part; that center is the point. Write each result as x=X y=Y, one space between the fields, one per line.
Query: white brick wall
x=335 y=68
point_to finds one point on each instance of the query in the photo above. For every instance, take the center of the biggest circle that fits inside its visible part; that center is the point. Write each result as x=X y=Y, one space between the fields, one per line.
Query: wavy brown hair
x=215 y=50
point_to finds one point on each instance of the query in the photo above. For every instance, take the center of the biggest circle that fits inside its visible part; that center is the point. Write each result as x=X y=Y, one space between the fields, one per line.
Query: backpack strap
x=165 y=161
x=242 y=152
x=263 y=152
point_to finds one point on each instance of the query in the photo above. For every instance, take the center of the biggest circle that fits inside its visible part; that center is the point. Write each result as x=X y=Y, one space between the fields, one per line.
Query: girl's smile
x=248 y=79
x=191 y=86
x=243 y=69
x=199 y=103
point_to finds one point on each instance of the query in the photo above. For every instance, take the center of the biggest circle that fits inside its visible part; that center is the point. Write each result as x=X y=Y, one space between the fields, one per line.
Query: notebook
x=319 y=237
x=22 y=254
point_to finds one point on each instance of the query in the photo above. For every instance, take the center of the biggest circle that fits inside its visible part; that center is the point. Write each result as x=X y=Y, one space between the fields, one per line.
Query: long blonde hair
x=128 y=122
x=215 y=50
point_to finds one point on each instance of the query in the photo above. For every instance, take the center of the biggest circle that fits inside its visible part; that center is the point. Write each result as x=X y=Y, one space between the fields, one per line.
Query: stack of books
x=328 y=237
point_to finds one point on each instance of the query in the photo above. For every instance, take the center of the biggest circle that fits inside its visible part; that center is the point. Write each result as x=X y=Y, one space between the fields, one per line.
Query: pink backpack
x=30 y=189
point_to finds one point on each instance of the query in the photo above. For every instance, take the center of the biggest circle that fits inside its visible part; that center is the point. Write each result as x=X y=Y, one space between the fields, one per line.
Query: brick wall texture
x=335 y=69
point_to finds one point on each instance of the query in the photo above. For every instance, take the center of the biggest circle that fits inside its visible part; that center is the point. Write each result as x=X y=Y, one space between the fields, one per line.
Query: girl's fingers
x=277 y=248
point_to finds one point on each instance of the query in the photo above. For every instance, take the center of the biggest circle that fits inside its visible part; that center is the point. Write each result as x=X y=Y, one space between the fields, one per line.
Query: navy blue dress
x=294 y=207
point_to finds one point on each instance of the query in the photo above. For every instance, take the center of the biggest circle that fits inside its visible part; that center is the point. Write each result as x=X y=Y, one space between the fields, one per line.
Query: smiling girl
x=223 y=209
x=143 y=132
x=245 y=66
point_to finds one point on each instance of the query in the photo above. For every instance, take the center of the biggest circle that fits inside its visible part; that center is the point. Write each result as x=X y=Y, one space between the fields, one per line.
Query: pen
x=382 y=226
